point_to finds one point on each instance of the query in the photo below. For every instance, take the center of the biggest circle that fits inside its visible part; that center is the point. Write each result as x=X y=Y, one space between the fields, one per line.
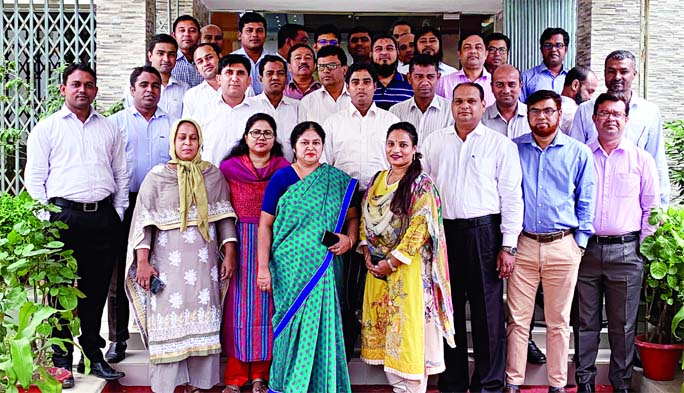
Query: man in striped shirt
x=392 y=87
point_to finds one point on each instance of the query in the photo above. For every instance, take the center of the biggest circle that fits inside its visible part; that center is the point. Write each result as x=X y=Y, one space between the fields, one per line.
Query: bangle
x=389 y=262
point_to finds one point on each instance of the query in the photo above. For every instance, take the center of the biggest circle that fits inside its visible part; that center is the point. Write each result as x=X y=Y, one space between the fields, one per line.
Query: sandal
x=259 y=386
x=231 y=389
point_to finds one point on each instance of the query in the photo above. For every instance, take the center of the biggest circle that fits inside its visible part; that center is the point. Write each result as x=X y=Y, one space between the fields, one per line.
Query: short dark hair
x=577 y=73
x=465 y=36
x=234 y=59
x=551 y=31
x=71 y=68
x=212 y=45
x=297 y=46
x=400 y=22
x=271 y=59
x=604 y=97
x=301 y=128
x=437 y=33
x=385 y=36
x=423 y=60
x=185 y=18
x=327 y=29
x=137 y=71
x=250 y=17
x=241 y=148
x=332 y=50
x=357 y=30
x=470 y=84
x=621 y=55
x=288 y=30
x=541 y=95
x=498 y=36
x=360 y=67
x=161 y=39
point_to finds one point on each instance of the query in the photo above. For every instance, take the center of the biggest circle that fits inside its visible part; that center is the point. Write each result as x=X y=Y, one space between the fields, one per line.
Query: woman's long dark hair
x=241 y=147
x=401 y=202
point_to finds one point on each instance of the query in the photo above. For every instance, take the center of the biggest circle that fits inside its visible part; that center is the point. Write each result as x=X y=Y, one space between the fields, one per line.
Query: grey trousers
x=613 y=271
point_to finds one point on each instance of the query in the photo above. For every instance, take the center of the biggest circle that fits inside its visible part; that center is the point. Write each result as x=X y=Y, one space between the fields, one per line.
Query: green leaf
x=22 y=360
x=658 y=270
x=676 y=321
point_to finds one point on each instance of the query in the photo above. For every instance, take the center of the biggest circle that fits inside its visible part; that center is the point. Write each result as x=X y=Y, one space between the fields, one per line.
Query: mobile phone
x=329 y=239
x=376 y=259
x=156 y=285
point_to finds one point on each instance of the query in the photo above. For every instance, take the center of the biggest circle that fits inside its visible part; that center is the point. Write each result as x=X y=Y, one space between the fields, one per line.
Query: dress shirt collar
x=624 y=145
x=560 y=139
x=158 y=113
x=521 y=111
x=433 y=103
x=544 y=69
x=486 y=76
x=324 y=92
x=479 y=130
x=173 y=81
x=283 y=101
x=181 y=56
x=314 y=86
x=242 y=51
x=219 y=100
x=635 y=101
x=65 y=112
x=353 y=111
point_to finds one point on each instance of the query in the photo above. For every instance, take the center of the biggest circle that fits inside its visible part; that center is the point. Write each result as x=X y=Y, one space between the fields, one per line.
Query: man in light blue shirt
x=558 y=193
x=645 y=127
x=252 y=36
x=145 y=130
x=186 y=30
x=550 y=74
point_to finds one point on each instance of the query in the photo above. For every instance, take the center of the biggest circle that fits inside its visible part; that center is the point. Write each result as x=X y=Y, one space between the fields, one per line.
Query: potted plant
x=34 y=272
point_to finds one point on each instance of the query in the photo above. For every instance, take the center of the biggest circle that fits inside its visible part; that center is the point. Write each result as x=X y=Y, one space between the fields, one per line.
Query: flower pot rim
x=639 y=341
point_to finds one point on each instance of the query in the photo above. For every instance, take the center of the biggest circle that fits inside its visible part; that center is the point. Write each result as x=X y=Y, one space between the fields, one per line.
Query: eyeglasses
x=328 y=66
x=545 y=111
x=256 y=134
x=615 y=115
x=324 y=42
x=501 y=51
x=549 y=45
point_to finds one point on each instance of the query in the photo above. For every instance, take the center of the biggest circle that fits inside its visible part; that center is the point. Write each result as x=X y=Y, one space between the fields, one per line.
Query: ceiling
x=356 y=6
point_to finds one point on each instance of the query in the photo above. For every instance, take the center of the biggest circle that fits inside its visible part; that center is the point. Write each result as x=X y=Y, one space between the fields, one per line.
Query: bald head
x=212 y=34
x=506 y=84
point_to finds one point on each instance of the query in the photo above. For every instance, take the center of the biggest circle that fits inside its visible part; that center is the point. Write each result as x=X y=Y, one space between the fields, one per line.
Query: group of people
x=245 y=205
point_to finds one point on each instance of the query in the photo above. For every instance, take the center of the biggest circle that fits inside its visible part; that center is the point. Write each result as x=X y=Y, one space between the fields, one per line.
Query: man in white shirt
x=333 y=97
x=161 y=53
x=427 y=111
x=198 y=101
x=477 y=172
x=76 y=160
x=407 y=49
x=231 y=109
x=252 y=36
x=580 y=85
x=272 y=71
x=507 y=115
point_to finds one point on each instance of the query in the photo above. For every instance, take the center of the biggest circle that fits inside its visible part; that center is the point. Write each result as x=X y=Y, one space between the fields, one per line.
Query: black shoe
x=556 y=390
x=585 y=388
x=69 y=382
x=65 y=362
x=534 y=354
x=116 y=352
x=101 y=369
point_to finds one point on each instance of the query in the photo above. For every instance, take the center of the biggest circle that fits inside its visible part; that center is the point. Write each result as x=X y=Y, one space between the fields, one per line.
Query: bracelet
x=389 y=262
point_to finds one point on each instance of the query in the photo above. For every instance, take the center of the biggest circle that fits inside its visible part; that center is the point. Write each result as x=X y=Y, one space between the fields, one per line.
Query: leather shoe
x=68 y=383
x=534 y=354
x=116 y=352
x=102 y=370
x=585 y=388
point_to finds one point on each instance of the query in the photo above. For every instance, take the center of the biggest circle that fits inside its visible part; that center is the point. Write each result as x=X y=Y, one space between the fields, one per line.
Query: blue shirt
x=644 y=129
x=185 y=71
x=254 y=72
x=146 y=143
x=398 y=90
x=540 y=78
x=558 y=186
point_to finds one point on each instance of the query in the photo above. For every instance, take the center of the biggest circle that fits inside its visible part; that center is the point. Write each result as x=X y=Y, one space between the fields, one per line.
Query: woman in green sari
x=301 y=203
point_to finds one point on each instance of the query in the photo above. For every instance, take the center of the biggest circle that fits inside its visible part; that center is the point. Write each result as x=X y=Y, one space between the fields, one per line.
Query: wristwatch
x=511 y=250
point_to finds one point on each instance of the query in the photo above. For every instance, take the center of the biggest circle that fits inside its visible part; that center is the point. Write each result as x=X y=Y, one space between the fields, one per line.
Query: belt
x=461 y=223
x=619 y=239
x=89 y=207
x=548 y=237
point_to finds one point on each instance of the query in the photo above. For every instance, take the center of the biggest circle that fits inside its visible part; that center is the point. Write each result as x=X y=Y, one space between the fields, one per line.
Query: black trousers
x=118 y=313
x=473 y=247
x=94 y=237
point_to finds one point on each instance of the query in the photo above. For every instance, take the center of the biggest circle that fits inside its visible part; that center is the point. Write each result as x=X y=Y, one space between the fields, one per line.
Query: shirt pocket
x=627 y=185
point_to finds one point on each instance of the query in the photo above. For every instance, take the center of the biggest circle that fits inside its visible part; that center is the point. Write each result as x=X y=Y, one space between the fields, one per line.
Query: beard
x=543 y=132
x=578 y=98
x=385 y=70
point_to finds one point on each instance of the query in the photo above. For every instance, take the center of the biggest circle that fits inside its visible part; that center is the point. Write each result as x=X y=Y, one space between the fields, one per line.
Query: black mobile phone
x=329 y=238
x=156 y=285
x=375 y=260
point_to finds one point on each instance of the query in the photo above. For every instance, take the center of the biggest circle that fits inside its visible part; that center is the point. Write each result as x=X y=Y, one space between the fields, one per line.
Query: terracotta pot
x=660 y=361
x=59 y=373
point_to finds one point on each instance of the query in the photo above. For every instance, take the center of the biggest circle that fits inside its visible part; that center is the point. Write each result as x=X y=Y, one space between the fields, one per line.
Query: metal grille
x=524 y=22
x=39 y=36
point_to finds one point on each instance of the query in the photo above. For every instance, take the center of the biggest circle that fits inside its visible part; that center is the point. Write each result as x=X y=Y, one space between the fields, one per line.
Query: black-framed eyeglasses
x=545 y=111
x=501 y=51
x=558 y=45
x=328 y=66
x=615 y=115
x=256 y=134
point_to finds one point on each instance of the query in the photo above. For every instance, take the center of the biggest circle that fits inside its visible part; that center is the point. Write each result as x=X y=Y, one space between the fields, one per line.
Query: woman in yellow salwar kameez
x=407 y=310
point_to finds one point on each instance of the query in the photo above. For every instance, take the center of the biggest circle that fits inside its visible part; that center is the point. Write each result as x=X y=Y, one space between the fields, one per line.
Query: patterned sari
x=406 y=316
x=308 y=349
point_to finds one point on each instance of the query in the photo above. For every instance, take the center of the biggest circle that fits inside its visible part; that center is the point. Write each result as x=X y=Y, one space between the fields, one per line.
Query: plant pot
x=660 y=361
x=59 y=373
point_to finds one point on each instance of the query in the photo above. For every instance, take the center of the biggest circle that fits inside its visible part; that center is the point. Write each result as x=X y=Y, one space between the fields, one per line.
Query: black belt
x=90 y=207
x=619 y=239
x=548 y=237
x=462 y=223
